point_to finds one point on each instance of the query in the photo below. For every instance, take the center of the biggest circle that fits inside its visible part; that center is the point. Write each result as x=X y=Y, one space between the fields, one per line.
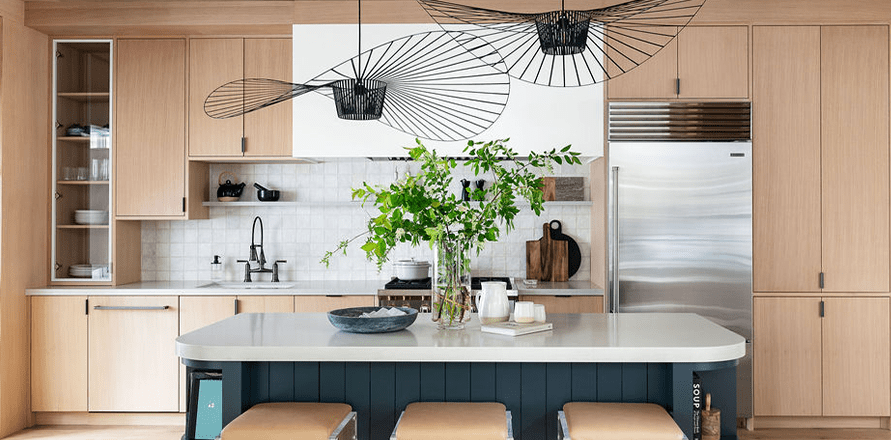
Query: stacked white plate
x=90 y=217
x=83 y=270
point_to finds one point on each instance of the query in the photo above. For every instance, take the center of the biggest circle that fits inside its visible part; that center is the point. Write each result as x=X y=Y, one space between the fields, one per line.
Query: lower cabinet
x=567 y=303
x=826 y=356
x=132 y=363
x=59 y=353
x=196 y=312
x=324 y=303
x=265 y=304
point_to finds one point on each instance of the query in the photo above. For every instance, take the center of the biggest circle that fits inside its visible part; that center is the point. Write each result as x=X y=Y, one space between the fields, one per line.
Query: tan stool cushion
x=453 y=420
x=620 y=421
x=287 y=421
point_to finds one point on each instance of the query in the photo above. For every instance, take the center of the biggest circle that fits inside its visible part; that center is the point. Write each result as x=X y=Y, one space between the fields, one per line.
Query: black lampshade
x=563 y=32
x=359 y=100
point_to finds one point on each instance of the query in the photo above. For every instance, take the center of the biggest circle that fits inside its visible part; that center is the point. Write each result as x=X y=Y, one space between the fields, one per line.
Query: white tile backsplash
x=183 y=250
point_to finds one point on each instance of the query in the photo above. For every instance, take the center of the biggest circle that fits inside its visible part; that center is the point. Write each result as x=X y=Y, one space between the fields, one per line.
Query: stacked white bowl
x=90 y=217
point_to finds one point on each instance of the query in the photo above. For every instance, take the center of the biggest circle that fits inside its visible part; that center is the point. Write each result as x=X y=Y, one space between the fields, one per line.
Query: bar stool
x=454 y=420
x=616 y=421
x=293 y=421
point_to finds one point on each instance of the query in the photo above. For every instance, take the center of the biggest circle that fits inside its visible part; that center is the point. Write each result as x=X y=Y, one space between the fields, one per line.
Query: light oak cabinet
x=265 y=304
x=566 y=303
x=822 y=357
x=214 y=62
x=59 y=353
x=153 y=179
x=132 y=362
x=703 y=62
x=820 y=166
x=325 y=303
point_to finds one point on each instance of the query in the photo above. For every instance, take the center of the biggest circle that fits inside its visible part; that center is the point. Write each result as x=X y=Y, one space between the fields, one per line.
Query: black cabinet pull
x=822 y=280
x=822 y=309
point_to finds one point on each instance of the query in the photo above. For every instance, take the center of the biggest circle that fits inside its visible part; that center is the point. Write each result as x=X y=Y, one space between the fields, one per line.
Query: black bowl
x=268 y=195
x=349 y=320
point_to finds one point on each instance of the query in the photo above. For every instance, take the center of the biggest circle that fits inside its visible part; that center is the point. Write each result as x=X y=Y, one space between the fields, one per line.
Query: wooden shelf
x=82 y=226
x=77 y=139
x=82 y=182
x=84 y=96
x=339 y=204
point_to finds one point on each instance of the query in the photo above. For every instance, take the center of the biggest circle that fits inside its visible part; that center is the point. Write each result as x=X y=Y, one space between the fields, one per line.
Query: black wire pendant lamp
x=567 y=48
x=443 y=86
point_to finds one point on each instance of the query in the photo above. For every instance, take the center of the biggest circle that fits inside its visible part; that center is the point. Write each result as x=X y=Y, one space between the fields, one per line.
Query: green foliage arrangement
x=423 y=208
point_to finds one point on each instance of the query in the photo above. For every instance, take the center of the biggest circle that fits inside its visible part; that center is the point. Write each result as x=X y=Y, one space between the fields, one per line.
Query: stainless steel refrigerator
x=681 y=235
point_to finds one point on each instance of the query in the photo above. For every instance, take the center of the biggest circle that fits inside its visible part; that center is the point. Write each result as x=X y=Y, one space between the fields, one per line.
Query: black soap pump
x=216 y=269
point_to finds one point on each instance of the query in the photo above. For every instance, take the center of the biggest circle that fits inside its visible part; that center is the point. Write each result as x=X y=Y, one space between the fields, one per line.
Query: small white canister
x=492 y=303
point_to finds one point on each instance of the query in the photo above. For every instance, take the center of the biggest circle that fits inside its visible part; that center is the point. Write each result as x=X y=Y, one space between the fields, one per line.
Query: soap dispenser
x=216 y=269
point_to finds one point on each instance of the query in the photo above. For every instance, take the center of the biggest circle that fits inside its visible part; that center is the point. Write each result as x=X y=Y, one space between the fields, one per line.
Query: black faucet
x=260 y=258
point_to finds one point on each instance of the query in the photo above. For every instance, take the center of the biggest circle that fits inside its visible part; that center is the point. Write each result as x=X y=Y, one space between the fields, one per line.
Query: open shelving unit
x=82 y=163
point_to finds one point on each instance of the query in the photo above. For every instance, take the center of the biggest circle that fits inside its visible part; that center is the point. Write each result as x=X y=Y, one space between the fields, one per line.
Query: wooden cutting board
x=547 y=259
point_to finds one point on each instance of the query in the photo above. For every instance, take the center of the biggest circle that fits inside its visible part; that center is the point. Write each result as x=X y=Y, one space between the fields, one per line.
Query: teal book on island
x=208 y=408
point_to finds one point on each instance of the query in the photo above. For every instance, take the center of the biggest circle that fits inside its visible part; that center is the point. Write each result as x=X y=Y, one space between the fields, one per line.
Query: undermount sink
x=251 y=285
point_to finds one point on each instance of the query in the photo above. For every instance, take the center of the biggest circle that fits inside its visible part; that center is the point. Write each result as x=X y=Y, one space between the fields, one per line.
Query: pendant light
x=359 y=98
x=567 y=48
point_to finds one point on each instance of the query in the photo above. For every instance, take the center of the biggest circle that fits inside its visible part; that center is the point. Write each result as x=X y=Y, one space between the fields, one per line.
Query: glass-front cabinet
x=82 y=143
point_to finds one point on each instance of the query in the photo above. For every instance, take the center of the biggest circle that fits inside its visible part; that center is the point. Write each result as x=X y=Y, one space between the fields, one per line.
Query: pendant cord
x=359 y=75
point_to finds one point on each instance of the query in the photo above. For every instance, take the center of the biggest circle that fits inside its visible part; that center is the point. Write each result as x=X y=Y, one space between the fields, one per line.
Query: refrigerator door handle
x=614 y=298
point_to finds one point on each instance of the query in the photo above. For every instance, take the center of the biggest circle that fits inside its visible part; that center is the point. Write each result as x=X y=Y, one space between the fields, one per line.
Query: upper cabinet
x=703 y=62
x=151 y=177
x=821 y=165
x=214 y=62
x=82 y=161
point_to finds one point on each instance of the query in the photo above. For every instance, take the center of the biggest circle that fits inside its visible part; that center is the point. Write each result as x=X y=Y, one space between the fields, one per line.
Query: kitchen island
x=586 y=357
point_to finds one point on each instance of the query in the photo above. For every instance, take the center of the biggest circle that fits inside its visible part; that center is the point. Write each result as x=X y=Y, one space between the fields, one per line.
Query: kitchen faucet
x=260 y=258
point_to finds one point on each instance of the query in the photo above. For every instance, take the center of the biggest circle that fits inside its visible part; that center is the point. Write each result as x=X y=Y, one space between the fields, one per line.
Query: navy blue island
x=635 y=357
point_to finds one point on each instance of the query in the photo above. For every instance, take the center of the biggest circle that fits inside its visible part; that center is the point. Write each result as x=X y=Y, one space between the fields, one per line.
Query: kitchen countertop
x=632 y=337
x=370 y=287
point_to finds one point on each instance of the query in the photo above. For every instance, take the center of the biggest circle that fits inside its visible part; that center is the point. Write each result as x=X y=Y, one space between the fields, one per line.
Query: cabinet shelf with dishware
x=82 y=162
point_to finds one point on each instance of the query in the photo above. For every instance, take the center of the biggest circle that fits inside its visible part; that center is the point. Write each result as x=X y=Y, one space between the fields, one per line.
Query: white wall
x=183 y=250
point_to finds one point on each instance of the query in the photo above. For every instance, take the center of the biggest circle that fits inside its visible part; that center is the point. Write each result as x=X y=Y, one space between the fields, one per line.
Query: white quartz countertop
x=631 y=337
x=206 y=287
x=198 y=288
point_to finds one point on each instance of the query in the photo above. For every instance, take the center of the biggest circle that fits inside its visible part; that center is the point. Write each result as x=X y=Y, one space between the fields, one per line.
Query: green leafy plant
x=423 y=208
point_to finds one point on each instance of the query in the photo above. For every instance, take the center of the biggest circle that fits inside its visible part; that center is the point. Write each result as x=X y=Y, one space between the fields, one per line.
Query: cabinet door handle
x=822 y=309
x=131 y=307
x=333 y=296
x=243 y=144
x=822 y=280
x=677 y=86
x=236 y=306
x=562 y=296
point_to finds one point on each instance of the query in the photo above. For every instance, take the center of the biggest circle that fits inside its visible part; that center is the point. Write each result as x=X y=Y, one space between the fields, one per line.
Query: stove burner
x=476 y=282
x=396 y=283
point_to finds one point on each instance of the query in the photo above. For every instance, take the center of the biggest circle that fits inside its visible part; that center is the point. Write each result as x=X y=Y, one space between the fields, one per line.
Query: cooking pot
x=266 y=195
x=411 y=270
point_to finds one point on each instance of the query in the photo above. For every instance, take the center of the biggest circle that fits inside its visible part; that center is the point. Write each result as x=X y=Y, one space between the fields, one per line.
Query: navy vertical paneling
x=559 y=389
x=332 y=379
x=383 y=399
x=682 y=397
x=659 y=384
x=357 y=389
x=281 y=381
x=234 y=392
x=508 y=388
x=433 y=380
x=482 y=382
x=457 y=382
x=584 y=382
x=259 y=382
x=609 y=382
x=634 y=383
x=533 y=404
x=306 y=376
x=408 y=385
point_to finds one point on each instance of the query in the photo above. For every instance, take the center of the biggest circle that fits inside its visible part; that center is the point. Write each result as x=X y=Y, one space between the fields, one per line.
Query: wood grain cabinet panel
x=786 y=159
x=713 y=62
x=196 y=312
x=855 y=158
x=58 y=353
x=268 y=131
x=325 y=303
x=703 y=62
x=150 y=157
x=266 y=304
x=212 y=63
x=787 y=358
x=856 y=357
x=132 y=362
x=567 y=304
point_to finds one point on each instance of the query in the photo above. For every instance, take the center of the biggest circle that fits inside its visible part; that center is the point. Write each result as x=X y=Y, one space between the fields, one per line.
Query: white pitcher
x=492 y=303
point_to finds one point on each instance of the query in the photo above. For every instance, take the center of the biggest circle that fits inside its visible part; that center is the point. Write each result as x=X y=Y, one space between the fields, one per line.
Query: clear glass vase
x=451 y=285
